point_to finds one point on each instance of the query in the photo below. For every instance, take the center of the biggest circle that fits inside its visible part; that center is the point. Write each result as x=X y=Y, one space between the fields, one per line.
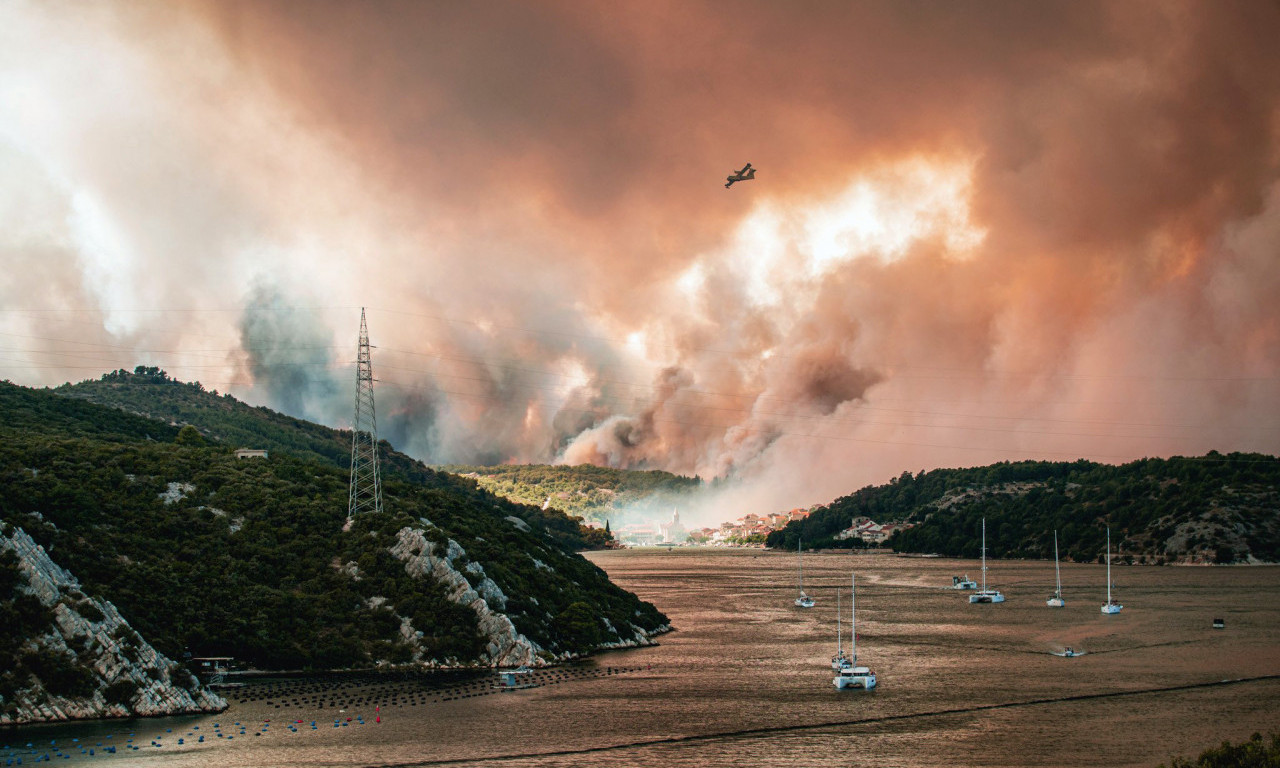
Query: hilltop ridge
x=1216 y=508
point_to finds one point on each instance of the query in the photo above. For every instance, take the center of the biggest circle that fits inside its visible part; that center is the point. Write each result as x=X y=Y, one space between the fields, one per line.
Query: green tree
x=189 y=435
x=579 y=625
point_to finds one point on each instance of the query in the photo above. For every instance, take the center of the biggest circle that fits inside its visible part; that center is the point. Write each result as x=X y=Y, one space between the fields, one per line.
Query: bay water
x=745 y=679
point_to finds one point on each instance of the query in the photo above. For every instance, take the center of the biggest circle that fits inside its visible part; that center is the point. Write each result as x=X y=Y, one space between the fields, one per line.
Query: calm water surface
x=746 y=679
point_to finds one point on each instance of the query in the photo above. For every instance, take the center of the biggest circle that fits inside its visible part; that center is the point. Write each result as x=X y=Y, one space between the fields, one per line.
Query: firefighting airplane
x=746 y=174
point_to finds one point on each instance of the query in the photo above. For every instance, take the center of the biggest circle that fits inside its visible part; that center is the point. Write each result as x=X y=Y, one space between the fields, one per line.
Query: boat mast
x=1056 y=571
x=1108 y=566
x=984 y=554
x=839 y=644
x=800 y=562
x=853 y=627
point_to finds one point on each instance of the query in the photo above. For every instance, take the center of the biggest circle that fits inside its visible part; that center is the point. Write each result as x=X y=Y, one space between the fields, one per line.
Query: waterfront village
x=747 y=531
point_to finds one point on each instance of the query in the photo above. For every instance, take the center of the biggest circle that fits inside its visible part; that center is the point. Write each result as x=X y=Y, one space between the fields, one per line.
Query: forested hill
x=213 y=555
x=150 y=392
x=590 y=492
x=1217 y=508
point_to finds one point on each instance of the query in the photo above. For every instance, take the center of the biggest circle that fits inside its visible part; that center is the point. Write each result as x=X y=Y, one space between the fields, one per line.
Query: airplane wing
x=745 y=168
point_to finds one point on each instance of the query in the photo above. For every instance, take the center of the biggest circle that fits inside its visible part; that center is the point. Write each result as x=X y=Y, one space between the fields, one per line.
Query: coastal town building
x=673 y=532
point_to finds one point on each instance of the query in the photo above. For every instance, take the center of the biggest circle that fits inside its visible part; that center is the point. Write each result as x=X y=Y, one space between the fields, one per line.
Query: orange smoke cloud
x=978 y=232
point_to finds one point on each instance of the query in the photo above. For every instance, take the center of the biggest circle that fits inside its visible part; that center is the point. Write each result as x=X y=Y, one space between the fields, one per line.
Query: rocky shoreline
x=130 y=678
x=125 y=676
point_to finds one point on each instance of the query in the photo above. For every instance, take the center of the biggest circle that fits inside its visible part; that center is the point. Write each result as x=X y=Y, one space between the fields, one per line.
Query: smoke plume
x=978 y=232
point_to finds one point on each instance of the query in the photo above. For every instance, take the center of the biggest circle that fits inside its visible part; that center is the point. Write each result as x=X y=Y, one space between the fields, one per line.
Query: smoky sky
x=978 y=232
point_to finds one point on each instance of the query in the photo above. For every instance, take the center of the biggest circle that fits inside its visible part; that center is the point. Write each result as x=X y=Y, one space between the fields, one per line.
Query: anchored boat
x=985 y=595
x=839 y=661
x=1111 y=606
x=803 y=601
x=853 y=676
x=1055 y=600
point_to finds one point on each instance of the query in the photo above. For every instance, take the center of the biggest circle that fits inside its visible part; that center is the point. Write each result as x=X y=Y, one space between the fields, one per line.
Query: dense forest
x=1217 y=508
x=590 y=492
x=150 y=392
x=208 y=554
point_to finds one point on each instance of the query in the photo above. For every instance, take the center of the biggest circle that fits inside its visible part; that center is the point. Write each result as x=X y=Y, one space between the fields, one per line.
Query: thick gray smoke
x=291 y=356
x=978 y=232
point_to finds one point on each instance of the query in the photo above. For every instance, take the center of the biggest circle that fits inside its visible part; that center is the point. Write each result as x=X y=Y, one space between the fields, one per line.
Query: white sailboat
x=1056 y=600
x=1111 y=606
x=985 y=595
x=839 y=661
x=852 y=675
x=963 y=583
x=803 y=601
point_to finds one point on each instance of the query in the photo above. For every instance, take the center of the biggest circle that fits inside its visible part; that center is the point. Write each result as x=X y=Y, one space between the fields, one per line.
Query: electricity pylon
x=365 y=494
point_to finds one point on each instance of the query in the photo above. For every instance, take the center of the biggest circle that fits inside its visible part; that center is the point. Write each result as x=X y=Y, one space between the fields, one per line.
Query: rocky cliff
x=505 y=647
x=76 y=657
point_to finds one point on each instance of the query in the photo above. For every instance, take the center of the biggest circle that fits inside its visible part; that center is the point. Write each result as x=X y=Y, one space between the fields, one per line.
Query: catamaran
x=803 y=601
x=1111 y=606
x=852 y=675
x=1056 y=601
x=985 y=595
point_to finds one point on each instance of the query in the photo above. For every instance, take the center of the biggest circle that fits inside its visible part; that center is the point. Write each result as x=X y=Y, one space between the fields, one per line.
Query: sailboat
x=985 y=595
x=839 y=661
x=803 y=601
x=1111 y=606
x=852 y=675
x=1056 y=601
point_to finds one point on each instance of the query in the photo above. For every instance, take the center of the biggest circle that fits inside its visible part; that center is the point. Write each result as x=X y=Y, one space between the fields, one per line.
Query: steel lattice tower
x=365 y=494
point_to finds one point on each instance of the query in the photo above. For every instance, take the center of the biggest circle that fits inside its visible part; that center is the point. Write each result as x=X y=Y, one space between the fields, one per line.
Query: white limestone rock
x=176 y=492
x=506 y=647
x=97 y=636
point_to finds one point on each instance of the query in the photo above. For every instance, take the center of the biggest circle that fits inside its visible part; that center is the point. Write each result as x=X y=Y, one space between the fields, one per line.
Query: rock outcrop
x=506 y=647
x=122 y=674
x=467 y=584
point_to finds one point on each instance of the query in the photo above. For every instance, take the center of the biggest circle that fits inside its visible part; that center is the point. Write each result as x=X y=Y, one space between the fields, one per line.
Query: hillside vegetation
x=149 y=392
x=1256 y=752
x=213 y=555
x=590 y=492
x=1215 y=508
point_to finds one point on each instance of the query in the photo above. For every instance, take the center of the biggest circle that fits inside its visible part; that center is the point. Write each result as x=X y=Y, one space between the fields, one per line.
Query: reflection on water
x=746 y=679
